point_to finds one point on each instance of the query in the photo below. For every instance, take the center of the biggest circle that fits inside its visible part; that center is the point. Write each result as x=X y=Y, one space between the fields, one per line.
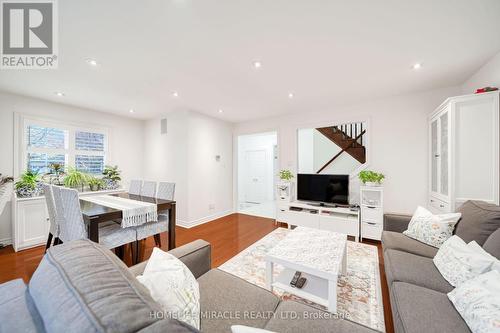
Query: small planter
x=374 y=184
x=94 y=188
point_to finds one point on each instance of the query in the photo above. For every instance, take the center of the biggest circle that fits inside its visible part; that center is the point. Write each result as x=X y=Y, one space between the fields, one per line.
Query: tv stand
x=345 y=220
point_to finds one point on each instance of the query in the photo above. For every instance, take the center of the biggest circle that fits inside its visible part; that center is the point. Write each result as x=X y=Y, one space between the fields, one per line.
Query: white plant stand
x=372 y=212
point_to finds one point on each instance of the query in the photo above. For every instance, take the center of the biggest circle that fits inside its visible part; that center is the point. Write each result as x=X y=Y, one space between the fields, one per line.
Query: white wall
x=261 y=141
x=125 y=138
x=397 y=130
x=488 y=75
x=186 y=155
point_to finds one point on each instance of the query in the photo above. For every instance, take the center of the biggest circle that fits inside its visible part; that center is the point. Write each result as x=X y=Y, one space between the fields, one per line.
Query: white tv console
x=339 y=219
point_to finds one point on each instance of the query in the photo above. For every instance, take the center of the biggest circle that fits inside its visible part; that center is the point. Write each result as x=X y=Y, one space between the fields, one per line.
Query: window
x=69 y=145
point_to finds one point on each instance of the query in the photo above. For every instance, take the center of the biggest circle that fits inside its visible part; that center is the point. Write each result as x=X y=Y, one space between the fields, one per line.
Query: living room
x=224 y=166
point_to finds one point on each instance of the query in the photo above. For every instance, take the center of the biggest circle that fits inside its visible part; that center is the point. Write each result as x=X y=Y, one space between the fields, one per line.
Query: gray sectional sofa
x=417 y=290
x=82 y=287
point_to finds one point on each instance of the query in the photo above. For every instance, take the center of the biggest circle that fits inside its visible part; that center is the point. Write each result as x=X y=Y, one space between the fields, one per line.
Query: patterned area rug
x=359 y=293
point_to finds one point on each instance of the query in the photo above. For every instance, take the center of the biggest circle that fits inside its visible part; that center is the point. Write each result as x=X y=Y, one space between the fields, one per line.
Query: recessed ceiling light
x=257 y=64
x=175 y=94
x=60 y=94
x=131 y=110
x=220 y=111
x=290 y=95
x=92 y=62
x=417 y=66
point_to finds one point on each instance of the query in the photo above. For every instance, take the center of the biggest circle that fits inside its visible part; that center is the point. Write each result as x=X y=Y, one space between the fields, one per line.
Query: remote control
x=301 y=282
x=295 y=279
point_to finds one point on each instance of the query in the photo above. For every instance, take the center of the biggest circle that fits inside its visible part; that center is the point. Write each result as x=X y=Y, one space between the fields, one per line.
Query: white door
x=255 y=167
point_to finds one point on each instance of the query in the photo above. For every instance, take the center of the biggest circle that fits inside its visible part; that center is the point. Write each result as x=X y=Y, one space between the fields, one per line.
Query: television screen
x=323 y=188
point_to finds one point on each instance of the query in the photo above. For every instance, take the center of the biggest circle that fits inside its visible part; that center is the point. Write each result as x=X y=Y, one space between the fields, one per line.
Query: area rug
x=359 y=294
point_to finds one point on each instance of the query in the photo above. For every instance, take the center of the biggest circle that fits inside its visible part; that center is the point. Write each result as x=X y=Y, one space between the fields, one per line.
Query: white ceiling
x=326 y=52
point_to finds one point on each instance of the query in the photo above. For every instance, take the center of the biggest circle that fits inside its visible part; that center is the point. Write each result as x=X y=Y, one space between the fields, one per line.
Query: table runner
x=135 y=212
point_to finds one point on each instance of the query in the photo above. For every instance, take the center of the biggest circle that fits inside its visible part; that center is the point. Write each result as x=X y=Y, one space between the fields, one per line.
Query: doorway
x=257 y=174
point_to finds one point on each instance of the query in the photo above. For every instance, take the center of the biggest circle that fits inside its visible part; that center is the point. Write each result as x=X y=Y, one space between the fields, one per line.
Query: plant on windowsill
x=95 y=183
x=29 y=185
x=75 y=178
x=371 y=178
x=111 y=177
x=56 y=174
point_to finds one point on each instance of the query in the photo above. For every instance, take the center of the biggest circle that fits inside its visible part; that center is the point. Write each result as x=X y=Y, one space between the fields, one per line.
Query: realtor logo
x=29 y=34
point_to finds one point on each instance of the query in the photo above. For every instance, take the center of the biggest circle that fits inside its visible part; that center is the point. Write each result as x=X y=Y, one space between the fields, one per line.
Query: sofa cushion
x=417 y=309
x=492 y=244
x=228 y=300
x=294 y=317
x=479 y=221
x=17 y=311
x=398 y=241
x=82 y=287
x=410 y=268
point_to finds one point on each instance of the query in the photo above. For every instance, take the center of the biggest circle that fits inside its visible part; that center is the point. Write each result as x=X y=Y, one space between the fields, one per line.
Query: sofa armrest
x=396 y=222
x=195 y=255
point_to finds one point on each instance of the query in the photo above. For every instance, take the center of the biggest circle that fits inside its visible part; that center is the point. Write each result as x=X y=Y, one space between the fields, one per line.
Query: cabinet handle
x=436 y=155
x=371 y=207
x=371 y=223
x=432 y=200
x=442 y=206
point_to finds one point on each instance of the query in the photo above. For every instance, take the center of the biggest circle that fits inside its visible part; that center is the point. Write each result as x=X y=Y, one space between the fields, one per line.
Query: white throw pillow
x=478 y=249
x=173 y=286
x=431 y=229
x=247 y=329
x=458 y=262
x=478 y=302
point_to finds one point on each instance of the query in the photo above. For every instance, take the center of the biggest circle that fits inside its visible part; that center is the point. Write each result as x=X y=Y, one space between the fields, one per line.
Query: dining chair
x=148 y=189
x=166 y=191
x=135 y=187
x=51 y=208
x=72 y=225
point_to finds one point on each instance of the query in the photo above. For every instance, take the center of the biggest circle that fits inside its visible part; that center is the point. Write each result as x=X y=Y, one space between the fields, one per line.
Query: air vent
x=163 y=126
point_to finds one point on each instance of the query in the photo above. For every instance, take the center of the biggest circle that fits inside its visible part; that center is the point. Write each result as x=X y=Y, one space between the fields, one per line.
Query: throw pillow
x=478 y=302
x=492 y=244
x=247 y=329
x=458 y=262
x=173 y=286
x=480 y=251
x=479 y=220
x=431 y=229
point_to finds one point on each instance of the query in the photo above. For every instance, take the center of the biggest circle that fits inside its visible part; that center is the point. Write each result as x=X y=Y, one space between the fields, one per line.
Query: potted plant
x=286 y=176
x=75 y=178
x=95 y=183
x=111 y=177
x=28 y=185
x=55 y=174
x=371 y=178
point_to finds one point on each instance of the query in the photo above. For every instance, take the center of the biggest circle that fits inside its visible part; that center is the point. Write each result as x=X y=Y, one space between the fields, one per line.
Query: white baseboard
x=6 y=241
x=190 y=224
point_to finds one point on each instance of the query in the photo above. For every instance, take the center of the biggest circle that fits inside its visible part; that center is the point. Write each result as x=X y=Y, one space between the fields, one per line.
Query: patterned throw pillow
x=458 y=262
x=431 y=229
x=173 y=286
x=478 y=302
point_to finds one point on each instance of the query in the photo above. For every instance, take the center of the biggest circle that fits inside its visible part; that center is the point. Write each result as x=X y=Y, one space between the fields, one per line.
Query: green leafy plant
x=28 y=184
x=75 y=178
x=28 y=180
x=368 y=176
x=55 y=174
x=111 y=177
x=112 y=173
x=95 y=183
x=286 y=175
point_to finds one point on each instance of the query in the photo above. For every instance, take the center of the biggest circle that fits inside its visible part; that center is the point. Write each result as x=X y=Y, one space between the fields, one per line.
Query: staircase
x=349 y=137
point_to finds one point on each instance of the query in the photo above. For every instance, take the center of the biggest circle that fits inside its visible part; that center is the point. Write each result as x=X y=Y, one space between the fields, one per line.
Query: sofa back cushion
x=492 y=244
x=479 y=221
x=82 y=287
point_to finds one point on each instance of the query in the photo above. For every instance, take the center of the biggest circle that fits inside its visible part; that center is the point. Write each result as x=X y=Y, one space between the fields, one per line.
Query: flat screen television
x=328 y=189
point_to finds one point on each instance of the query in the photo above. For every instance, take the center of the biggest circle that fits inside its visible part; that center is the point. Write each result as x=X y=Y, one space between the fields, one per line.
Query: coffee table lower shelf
x=315 y=289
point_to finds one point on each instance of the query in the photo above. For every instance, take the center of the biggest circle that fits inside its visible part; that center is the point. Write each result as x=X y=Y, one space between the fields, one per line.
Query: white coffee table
x=320 y=255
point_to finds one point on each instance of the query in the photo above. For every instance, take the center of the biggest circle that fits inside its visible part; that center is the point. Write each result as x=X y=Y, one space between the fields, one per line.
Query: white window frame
x=21 y=123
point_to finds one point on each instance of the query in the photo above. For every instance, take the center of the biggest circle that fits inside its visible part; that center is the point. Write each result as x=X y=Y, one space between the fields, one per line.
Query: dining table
x=94 y=214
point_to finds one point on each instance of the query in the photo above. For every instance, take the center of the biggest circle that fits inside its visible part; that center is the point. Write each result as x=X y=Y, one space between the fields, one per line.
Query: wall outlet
x=211 y=206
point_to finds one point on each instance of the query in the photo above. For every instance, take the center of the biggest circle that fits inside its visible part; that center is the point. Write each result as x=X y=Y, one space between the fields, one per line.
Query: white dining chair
x=72 y=226
x=166 y=191
x=135 y=187
x=148 y=189
x=51 y=209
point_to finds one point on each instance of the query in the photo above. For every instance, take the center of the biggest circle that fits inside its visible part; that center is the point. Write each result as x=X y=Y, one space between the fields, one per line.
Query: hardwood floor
x=228 y=236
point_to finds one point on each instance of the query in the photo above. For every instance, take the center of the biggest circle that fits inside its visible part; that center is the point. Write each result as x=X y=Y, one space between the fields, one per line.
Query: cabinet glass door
x=443 y=154
x=434 y=156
